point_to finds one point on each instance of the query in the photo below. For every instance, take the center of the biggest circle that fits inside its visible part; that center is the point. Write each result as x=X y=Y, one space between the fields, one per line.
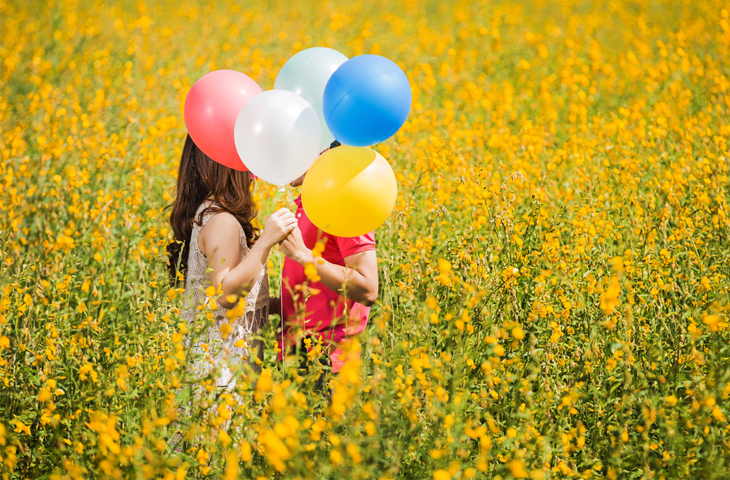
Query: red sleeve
x=352 y=245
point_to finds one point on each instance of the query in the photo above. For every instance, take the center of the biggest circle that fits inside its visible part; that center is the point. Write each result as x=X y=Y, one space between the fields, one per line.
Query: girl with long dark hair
x=215 y=245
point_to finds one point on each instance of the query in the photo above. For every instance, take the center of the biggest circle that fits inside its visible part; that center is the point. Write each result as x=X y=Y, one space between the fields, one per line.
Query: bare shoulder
x=221 y=221
x=220 y=231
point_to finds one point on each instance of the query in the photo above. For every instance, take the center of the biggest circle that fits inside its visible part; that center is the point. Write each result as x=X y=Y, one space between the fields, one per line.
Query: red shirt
x=323 y=308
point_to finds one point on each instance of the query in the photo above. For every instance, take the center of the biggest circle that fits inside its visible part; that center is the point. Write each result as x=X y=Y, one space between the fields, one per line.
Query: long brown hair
x=198 y=179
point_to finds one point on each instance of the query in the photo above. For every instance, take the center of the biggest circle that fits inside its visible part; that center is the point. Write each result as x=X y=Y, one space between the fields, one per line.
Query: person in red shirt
x=338 y=304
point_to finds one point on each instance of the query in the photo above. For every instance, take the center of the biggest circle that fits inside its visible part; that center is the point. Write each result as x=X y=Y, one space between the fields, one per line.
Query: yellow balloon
x=349 y=191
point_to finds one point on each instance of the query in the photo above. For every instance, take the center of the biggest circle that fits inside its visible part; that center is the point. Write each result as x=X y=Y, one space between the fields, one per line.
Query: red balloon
x=211 y=110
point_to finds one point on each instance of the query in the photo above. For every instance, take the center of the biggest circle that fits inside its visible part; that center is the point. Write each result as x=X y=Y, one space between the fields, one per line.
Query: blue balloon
x=366 y=100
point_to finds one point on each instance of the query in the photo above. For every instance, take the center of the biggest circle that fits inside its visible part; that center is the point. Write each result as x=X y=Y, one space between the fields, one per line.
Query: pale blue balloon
x=306 y=74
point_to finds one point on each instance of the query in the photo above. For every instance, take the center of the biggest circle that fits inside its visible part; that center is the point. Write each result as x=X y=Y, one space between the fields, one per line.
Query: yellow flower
x=318 y=249
x=448 y=421
x=224 y=438
x=246 y=452
x=444 y=272
x=86 y=370
x=432 y=304
x=310 y=270
x=275 y=450
x=712 y=321
x=231 y=472
x=517 y=469
x=510 y=273
x=44 y=395
x=21 y=427
x=518 y=333
x=718 y=415
x=609 y=299
x=264 y=384
x=336 y=457
x=225 y=330
x=441 y=475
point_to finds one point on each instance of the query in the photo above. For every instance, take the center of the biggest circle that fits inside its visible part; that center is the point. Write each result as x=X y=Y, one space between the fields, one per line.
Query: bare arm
x=357 y=280
x=219 y=243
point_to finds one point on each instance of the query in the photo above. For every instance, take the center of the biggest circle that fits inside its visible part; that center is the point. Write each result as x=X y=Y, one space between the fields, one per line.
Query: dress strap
x=207 y=216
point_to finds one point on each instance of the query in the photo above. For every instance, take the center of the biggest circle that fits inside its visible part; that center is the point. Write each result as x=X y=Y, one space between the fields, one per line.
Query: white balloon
x=277 y=136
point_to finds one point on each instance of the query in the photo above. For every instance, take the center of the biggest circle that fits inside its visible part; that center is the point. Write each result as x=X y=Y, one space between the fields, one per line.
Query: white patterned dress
x=223 y=353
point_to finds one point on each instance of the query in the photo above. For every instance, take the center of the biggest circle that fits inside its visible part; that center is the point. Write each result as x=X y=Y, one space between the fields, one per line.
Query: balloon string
x=281 y=316
x=289 y=195
x=281 y=294
x=286 y=197
x=286 y=189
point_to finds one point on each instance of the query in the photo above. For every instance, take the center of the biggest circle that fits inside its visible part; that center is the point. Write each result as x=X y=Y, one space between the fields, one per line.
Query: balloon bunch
x=319 y=96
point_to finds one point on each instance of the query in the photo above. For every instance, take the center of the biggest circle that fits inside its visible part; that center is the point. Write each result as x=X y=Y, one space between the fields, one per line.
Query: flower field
x=554 y=290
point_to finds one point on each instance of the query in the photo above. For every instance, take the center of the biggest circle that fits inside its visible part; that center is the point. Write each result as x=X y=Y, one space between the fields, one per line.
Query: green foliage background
x=554 y=277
